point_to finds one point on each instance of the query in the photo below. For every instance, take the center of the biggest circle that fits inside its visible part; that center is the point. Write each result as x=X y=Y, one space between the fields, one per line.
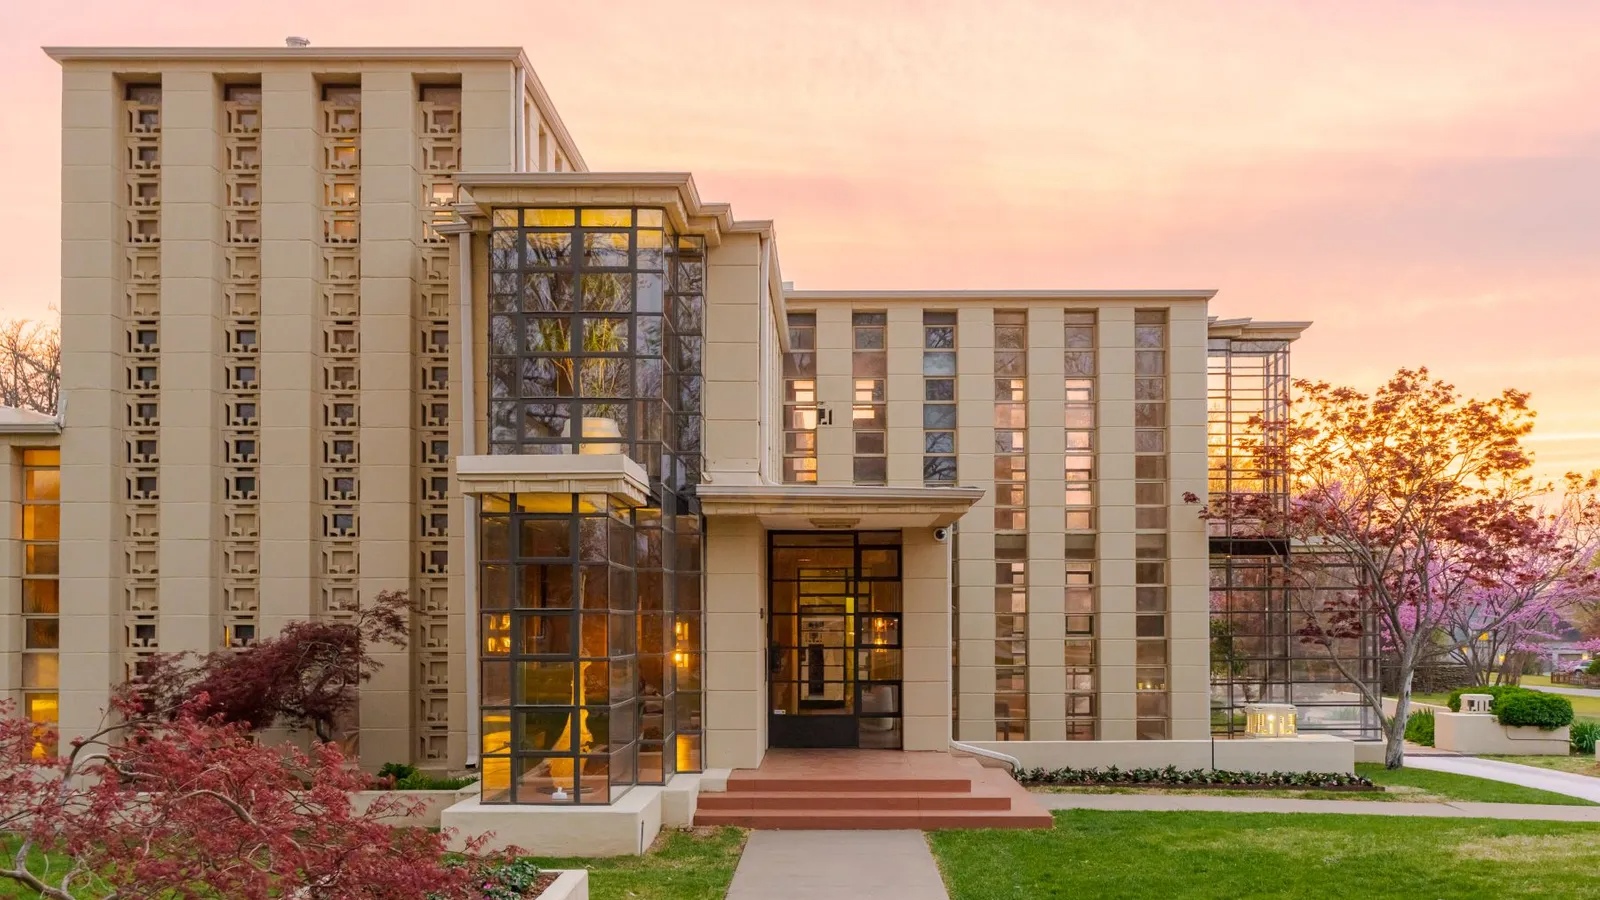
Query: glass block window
x=869 y=406
x=1080 y=650
x=939 y=398
x=1010 y=421
x=1011 y=524
x=1151 y=564
x=800 y=401
x=1079 y=469
x=1011 y=637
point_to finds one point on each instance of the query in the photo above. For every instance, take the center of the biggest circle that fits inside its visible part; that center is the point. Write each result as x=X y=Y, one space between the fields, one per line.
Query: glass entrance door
x=833 y=637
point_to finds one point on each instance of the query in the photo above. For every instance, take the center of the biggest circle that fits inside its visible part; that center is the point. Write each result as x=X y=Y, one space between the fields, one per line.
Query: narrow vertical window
x=938 y=398
x=800 y=401
x=41 y=595
x=869 y=407
x=1011 y=525
x=1079 y=478
x=1151 y=561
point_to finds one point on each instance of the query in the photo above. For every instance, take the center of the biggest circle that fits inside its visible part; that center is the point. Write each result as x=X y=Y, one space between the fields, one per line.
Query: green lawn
x=36 y=860
x=1198 y=856
x=1450 y=786
x=1582 y=707
x=681 y=866
x=1577 y=765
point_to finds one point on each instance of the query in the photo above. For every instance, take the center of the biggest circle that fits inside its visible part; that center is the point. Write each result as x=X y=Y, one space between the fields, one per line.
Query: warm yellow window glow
x=497 y=635
x=1270 y=720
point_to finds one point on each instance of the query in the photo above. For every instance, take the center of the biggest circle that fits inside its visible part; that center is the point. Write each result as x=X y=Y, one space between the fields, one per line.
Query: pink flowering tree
x=1410 y=508
x=1550 y=580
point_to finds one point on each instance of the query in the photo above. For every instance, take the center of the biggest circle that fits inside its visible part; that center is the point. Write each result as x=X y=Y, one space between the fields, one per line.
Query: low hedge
x=404 y=777
x=1535 y=708
x=1497 y=691
x=1514 y=705
x=1172 y=776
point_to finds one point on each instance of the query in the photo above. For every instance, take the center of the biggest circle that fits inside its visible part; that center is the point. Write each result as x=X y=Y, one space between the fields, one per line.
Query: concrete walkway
x=1457 y=810
x=1563 y=689
x=1511 y=773
x=809 y=865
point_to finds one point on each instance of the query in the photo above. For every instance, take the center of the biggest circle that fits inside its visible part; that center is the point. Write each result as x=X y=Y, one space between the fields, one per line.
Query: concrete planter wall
x=1303 y=753
x=432 y=804
x=572 y=885
x=1478 y=733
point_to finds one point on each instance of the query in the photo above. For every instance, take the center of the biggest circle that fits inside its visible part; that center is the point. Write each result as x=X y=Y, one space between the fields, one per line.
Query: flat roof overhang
x=839 y=507
x=612 y=474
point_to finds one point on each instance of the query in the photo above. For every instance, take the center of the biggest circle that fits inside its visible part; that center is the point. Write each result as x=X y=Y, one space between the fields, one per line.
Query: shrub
x=1496 y=691
x=403 y=777
x=1593 y=668
x=1545 y=711
x=1172 y=776
x=1419 y=728
x=1584 y=735
x=397 y=771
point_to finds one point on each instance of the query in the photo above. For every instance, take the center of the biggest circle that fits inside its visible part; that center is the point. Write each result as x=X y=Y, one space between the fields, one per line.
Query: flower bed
x=1211 y=779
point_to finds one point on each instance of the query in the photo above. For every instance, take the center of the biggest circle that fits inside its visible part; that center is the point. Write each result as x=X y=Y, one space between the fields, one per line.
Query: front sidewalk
x=808 y=865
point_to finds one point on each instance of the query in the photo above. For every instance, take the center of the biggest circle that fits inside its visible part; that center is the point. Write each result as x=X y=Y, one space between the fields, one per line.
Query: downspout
x=469 y=520
x=1014 y=764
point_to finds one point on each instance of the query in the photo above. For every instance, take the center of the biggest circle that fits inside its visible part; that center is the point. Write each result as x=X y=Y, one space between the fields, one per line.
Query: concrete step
x=738 y=782
x=873 y=820
x=769 y=801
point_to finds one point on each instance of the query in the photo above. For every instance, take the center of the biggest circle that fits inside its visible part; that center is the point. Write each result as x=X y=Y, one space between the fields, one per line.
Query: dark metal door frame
x=842 y=730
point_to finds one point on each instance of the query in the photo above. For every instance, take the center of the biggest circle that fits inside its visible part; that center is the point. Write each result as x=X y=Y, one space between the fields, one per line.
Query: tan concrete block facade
x=275 y=299
x=292 y=249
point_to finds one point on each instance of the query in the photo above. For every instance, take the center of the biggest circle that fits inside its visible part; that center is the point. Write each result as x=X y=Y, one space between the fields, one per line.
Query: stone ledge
x=624 y=828
x=612 y=474
x=572 y=884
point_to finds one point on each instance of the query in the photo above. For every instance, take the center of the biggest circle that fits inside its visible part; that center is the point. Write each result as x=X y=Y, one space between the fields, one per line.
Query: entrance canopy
x=839 y=507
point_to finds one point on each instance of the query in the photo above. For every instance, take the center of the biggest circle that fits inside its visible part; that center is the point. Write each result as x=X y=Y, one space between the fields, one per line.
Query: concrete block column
x=291 y=334
x=735 y=650
x=191 y=371
x=390 y=223
x=1114 y=513
x=93 y=340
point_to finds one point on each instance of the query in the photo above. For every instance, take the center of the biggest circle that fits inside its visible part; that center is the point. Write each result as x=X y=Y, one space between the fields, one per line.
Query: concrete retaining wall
x=1477 y=733
x=1306 y=753
x=433 y=803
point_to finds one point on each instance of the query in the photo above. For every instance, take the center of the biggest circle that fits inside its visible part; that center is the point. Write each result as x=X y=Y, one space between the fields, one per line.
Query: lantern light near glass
x=1269 y=720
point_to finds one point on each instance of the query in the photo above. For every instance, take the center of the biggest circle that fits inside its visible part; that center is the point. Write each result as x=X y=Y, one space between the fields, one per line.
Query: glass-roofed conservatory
x=1257 y=655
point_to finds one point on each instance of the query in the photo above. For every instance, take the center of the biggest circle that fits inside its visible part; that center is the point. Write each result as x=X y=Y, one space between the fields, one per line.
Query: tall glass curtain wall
x=592 y=612
x=1255 y=657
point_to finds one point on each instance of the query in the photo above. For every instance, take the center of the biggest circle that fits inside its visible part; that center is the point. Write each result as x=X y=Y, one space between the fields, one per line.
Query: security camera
x=941 y=534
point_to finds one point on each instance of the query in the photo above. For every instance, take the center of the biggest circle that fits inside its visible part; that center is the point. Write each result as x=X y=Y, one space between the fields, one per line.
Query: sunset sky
x=1420 y=179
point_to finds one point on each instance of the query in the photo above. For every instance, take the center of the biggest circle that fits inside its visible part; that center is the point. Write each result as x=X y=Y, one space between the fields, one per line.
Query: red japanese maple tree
x=150 y=808
x=305 y=677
